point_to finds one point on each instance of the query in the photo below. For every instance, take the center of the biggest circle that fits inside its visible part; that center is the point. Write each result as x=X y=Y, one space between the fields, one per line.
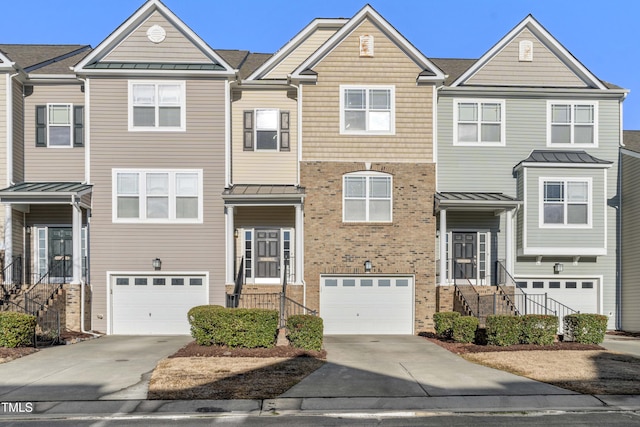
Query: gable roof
x=631 y=139
x=430 y=71
x=44 y=58
x=295 y=43
x=215 y=63
x=550 y=42
x=244 y=61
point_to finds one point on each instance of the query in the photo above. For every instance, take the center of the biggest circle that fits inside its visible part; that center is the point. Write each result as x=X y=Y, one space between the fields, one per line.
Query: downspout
x=8 y=223
x=619 y=225
x=83 y=284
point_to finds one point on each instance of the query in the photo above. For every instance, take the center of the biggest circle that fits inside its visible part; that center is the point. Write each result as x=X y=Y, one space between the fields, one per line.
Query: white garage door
x=155 y=305
x=367 y=304
x=580 y=294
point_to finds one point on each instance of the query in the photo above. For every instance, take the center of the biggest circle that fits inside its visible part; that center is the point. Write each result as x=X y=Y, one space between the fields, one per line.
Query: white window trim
x=392 y=118
x=542 y=180
x=142 y=197
x=71 y=125
x=503 y=126
x=366 y=174
x=292 y=249
x=255 y=131
x=573 y=104
x=157 y=127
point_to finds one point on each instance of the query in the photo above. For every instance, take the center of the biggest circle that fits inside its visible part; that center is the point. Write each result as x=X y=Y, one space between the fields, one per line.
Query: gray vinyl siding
x=630 y=298
x=546 y=69
x=484 y=169
x=181 y=247
x=57 y=215
x=18 y=135
x=17 y=231
x=138 y=48
x=545 y=237
x=48 y=163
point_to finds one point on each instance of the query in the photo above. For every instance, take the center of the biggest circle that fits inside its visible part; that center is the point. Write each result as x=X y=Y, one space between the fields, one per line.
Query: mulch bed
x=14 y=353
x=460 y=348
x=194 y=350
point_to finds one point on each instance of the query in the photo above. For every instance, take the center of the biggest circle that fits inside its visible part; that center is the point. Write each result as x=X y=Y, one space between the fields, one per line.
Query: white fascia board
x=539 y=31
x=562 y=251
x=566 y=165
x=535 y=92
x=293 y=44
x=387 y=28
x=628 y=152
x=135 y=21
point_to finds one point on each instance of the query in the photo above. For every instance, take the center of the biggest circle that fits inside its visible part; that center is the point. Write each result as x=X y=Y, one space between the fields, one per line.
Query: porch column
x=443 y=247
x=299 y=254
x=230 y=244
x=508 y=247
x=76 y=232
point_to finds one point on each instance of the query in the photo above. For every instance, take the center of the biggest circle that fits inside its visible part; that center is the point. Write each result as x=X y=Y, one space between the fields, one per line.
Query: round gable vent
x=156 y=34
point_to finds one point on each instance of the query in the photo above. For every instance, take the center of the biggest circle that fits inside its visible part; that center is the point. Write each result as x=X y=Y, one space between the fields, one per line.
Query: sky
x=603 y=35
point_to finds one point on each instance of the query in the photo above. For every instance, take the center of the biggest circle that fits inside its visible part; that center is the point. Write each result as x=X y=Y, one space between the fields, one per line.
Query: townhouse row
x=371 y=179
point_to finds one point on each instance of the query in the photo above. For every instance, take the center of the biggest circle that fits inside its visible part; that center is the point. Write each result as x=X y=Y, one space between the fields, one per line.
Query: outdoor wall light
x=558 y=267
x=367 y=266
x=157 y=264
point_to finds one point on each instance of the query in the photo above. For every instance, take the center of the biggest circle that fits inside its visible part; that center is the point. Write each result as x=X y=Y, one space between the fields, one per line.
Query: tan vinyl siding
x=17 y=231
x=264 y=167
x=265 y=216
x=57 y=215
x=300 y=53
x=138 y=48
x=48 y=163
x=505 y=69
x=181 y=247
x=412 y=141
x=630 y=243
x=18 y=136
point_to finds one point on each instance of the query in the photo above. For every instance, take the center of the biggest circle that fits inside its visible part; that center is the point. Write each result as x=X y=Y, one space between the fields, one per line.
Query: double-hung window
x=157 y=195
x=572 y=123
x=565 y=202
x=367 y=110
x=59 y=125
x=479 y=122
x=156 y=105
x=367 y=197
x=266 y=130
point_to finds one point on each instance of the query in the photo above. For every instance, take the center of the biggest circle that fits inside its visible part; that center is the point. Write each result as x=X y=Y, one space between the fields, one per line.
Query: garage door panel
x=155 y=309
x=367 y=305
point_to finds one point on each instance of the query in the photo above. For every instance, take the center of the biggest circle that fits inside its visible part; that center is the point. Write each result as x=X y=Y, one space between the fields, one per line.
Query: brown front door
x=464 y=255
x=268 y=254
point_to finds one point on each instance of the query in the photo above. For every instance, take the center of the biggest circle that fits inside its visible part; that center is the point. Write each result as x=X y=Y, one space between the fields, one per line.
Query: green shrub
x=538 y=329
x=464 y=329
x=503 y=330
x=16 y=329
x=585 y=328
x=443 y=323
x=305 y=331
x=233 y=327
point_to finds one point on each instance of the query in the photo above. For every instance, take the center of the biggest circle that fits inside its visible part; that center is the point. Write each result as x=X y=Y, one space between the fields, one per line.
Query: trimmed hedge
x=538 y=329
x=585 y=328
x=503 y=330
x=464 y=329
x=305 y=331
x=16 y=329
x=233 y=327
x=443 y=323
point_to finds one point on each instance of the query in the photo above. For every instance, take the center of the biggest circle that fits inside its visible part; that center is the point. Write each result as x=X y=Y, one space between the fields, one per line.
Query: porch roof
x=44 y=192
x=560 y=158
x=474 y=201
x=263 y=194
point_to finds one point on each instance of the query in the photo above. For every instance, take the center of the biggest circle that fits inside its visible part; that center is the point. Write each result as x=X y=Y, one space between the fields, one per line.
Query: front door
x=464 y=256
x=268 y=254
x=61 y=252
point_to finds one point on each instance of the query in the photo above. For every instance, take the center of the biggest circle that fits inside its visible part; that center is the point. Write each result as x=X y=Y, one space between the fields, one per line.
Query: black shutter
x=285 y=144
x=41 y=125
x=78 y=126
x=248 y=131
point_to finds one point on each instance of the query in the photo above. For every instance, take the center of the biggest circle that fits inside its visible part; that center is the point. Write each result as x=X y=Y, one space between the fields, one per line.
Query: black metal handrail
x=12 y=277
x=45 y=289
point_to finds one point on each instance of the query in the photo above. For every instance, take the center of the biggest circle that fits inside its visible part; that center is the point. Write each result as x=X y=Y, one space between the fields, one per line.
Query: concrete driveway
x=110 y=368
x=407 y=366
